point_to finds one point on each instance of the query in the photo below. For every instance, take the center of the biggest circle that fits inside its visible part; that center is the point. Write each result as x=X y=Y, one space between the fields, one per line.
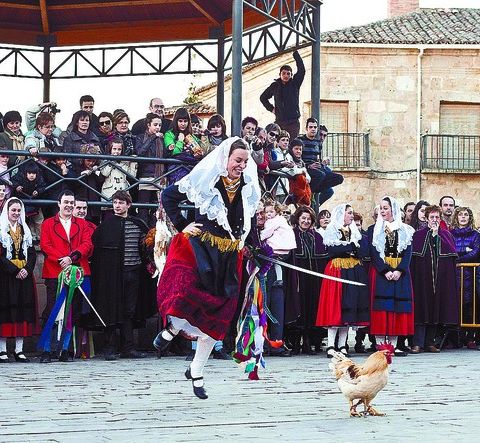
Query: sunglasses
x=273 y=134
x=105 y=123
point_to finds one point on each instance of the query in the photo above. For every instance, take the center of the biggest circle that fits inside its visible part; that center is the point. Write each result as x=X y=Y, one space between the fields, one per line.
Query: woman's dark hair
x=76 y=118
x=414 y=221
x=111 y=142
x=13 y=201
x=249 y=120
x=237 y=144
x=43 y=119
x=150 y=116
x=106 y=114
x=181 y=114
x=218 y=120
x=303 y=210
x=323 y=213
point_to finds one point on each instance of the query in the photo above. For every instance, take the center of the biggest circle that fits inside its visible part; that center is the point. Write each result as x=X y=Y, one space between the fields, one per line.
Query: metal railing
x=451 y=153
x=469 y=317
x=347 y=150
x=111 y=160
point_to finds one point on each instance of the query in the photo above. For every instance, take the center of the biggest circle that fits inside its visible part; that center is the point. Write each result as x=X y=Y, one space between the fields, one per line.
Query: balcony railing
x=451 y=153
x=347 y=150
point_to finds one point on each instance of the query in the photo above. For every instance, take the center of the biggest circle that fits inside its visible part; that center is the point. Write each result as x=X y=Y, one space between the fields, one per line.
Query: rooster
x=361 y=384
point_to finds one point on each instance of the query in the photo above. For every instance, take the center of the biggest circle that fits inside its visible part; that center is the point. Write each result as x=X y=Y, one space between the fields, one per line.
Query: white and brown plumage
x=361 y=383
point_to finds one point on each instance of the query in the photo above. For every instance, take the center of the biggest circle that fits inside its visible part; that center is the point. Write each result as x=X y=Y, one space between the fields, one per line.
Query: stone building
x=402 y=96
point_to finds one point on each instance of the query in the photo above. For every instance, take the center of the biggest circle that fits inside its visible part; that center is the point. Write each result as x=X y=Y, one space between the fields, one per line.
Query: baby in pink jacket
x=277 y=232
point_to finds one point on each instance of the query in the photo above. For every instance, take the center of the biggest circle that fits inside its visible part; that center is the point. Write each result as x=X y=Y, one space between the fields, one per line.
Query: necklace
x=390 y=237
x=346 y=233
x=231 y=186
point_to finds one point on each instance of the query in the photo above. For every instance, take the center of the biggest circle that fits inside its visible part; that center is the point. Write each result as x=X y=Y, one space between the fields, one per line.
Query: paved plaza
x=429 y=398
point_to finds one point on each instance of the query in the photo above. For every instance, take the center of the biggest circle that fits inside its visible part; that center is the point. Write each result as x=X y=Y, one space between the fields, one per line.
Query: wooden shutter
x=460 y=118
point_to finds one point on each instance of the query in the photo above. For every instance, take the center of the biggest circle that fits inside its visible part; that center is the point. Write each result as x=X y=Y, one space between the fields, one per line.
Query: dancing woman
x=198 y=290
x=390 y=282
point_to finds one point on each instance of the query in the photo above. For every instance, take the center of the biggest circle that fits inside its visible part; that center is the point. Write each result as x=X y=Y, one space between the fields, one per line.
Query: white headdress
x=405 y=232
x=332 y=235
x=199 y=187
x=5 y=238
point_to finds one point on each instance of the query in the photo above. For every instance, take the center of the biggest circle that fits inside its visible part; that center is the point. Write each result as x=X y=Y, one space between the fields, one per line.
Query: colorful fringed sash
x=252 y=326
x=69 y=280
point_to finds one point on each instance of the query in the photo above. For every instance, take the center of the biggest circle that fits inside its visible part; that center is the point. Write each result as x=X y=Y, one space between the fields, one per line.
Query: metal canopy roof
x=100 y=22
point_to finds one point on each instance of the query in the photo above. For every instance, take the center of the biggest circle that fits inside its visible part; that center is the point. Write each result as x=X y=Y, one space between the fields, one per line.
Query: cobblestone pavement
x=429 y=397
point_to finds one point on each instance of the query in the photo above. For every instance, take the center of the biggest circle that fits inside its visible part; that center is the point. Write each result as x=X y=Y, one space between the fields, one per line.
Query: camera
x=54 y=110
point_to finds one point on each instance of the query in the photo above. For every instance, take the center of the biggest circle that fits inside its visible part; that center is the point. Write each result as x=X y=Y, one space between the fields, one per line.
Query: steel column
x=237 y=17
x=315 y=80
x=46 y=73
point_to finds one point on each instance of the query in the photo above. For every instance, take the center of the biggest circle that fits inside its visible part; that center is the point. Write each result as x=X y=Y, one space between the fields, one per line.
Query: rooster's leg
x=353 y=409
x=372 y=411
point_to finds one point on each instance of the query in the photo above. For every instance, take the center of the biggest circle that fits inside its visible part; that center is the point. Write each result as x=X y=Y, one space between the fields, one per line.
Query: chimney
x=399 y=7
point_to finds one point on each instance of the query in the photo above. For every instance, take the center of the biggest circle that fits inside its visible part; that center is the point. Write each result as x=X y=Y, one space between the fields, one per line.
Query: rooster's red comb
x=386 y=347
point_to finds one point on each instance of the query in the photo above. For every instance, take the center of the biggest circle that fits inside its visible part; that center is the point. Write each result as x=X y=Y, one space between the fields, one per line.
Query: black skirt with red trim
x=200 y=292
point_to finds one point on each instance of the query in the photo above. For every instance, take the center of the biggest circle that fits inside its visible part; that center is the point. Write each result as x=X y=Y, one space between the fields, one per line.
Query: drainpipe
x=419 y=120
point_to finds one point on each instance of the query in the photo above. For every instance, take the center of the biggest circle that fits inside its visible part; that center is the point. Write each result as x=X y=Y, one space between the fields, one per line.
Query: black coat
x=285 y=96
x=107 y=274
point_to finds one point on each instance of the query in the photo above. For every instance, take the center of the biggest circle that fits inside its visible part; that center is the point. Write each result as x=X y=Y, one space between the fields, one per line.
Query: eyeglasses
x=273 y=134
x=48 y=126
x=105 y=123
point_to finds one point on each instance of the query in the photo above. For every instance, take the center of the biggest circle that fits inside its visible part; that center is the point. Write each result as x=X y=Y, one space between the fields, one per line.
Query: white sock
x=18 y=345
x=393 y=340
x=3 y=348
x=204 y=349
x=332 y=333
x=380 y=339
x=342 y=337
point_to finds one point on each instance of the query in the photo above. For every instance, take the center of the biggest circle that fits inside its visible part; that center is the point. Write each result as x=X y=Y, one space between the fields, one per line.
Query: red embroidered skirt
x=388 y=323
x=181 y=294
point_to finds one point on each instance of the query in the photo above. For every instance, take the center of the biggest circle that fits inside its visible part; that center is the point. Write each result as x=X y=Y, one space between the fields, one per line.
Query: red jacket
x=55 y=245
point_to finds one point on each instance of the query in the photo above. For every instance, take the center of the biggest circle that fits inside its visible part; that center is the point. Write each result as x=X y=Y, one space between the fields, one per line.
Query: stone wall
x=380 y=85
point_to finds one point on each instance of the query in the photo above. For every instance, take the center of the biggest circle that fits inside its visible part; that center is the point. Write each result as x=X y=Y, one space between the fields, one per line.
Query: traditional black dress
x=200 y=281
x=17 y=297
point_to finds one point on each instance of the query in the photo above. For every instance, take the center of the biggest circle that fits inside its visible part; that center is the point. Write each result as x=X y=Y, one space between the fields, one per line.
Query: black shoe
x=221 y=355
x=190 y=356
x=110 y=357
x=20 y=357
x=280 y=352
x=4 y=360
x=400 y=353
x=132 y=354
x=64 y=356
x=160 y=343
x=343 y=350
x=360 y=349
x=198 y=391
x=46 y=357
x=330 y=351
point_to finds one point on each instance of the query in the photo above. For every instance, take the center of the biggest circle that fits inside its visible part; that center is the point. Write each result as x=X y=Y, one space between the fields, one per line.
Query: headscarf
x=199 y=187
x=5 y=238
x=405 y=232
x=332 y=235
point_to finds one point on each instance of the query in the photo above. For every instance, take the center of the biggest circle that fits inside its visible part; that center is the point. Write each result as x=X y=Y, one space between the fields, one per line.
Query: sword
x=90 y=303
x=307 y=271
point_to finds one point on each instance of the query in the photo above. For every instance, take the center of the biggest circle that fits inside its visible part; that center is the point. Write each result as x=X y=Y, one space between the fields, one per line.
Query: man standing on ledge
x=285 y=91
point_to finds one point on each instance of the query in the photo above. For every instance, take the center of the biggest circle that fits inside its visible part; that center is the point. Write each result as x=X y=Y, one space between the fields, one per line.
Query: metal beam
x=46 y=74
x=237 y=34
x=221 y=72
x=204 y=12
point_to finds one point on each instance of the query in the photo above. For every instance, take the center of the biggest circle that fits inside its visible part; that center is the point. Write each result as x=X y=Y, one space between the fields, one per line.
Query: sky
x=133 y=94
